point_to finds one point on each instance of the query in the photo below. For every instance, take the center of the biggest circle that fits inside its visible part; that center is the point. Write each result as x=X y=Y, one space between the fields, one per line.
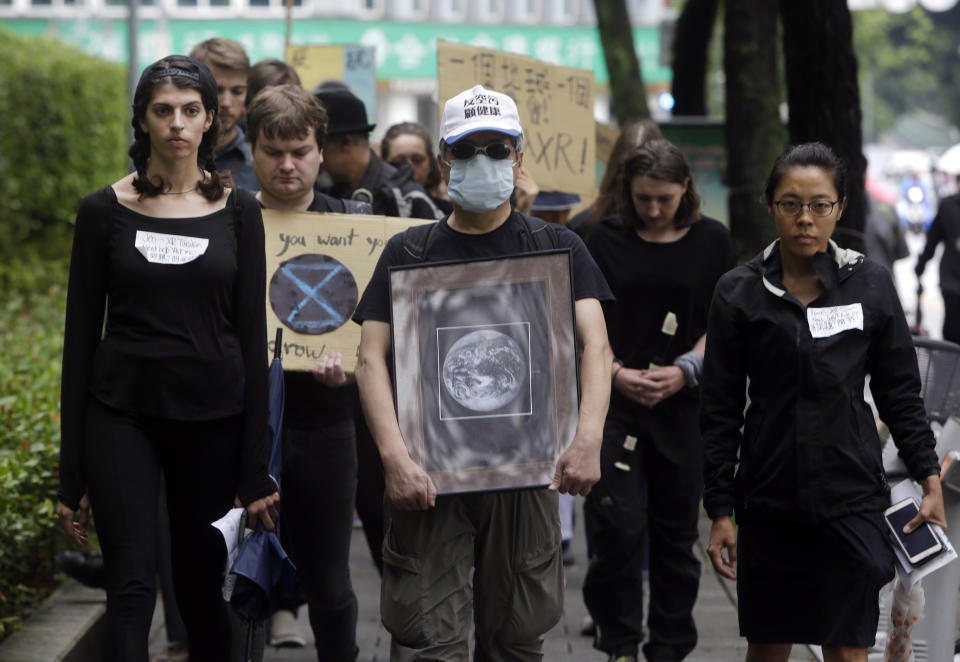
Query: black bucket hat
x=345 y=112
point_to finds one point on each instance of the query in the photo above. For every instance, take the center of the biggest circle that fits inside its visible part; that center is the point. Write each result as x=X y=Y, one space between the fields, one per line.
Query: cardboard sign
x=555 y=104
x=318 y=266
x=606 y=138
x=354 y=65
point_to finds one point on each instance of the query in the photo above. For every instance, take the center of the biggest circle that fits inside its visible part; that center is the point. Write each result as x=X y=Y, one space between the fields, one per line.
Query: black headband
x=173 y=71
x=203 y=75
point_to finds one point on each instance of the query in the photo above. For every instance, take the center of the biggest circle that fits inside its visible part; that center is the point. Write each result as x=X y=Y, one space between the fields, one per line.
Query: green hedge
x=32 y=327
x=65 y=132
x=63 y=135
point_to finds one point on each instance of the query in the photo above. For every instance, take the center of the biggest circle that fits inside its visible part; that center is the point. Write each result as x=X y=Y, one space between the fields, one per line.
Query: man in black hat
x=357 y=172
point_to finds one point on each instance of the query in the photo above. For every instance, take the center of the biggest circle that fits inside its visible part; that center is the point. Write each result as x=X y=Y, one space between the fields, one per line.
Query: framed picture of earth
x=485 y=376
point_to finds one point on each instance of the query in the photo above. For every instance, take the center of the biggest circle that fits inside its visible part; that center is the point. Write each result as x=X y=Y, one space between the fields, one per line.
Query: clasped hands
x=649 y=387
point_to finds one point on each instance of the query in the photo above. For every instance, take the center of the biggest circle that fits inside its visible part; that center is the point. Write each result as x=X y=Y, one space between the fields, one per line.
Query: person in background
x=630 y=138
x=797 y=329
x=177 y=378
x=230 y=66
x=662 y=258
x=946 y=228
x=488 y=562
x=554 y=206
x=287 y=127
x=410 y=142
x=357 y=172
x=269 y=72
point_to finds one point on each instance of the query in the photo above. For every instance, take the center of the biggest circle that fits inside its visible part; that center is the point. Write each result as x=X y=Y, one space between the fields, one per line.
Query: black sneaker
x=567 y=553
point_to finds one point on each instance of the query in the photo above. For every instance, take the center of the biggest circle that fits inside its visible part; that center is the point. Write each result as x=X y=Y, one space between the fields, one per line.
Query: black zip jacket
x=390 y=190
x=808 y=446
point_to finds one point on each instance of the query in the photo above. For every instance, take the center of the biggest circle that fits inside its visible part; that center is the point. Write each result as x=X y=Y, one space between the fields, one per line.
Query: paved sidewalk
x=715 y=615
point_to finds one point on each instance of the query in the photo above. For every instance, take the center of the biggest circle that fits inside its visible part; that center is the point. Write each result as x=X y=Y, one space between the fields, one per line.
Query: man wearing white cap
x=511 y=538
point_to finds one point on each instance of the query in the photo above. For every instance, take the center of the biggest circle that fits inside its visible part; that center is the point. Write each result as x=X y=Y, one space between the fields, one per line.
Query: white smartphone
x=919 y=546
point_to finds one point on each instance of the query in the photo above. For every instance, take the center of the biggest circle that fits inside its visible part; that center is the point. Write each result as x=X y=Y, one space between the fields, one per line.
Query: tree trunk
x=691 y=42
x=623 y=66
x=755 y=135
x=824 y=98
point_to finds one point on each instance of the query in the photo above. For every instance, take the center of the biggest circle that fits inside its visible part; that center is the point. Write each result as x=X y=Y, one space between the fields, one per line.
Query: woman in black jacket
x=805 y=322
x=177 y=379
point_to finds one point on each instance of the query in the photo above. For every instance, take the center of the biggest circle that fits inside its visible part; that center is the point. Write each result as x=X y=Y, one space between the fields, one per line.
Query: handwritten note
x=169 y=248
x=830 y=321
x=555 y=105
x=318 y=265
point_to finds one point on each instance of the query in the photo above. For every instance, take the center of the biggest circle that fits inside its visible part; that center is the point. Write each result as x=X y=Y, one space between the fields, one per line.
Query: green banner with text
x=403 y=50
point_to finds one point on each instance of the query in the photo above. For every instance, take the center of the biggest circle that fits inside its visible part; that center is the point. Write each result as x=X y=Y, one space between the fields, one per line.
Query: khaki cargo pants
x=512 y=542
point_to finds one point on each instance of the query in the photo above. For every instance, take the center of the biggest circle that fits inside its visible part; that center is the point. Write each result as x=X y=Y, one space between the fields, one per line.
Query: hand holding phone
x=921 y=544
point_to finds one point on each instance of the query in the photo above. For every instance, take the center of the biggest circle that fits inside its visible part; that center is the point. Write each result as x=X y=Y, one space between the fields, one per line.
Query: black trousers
x=123 y=457
x=660 y=497
x=370 y=490
x=319 y=481
x=951 y=317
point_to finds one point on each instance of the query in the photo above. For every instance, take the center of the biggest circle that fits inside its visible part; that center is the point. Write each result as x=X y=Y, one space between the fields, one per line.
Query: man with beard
x=230 y=66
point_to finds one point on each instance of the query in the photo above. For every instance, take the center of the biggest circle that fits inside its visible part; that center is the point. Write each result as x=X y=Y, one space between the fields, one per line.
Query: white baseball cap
x=479 y=109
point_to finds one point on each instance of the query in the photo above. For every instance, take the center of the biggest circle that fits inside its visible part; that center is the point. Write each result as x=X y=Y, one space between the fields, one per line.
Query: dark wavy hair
x=210 y=187
x=630 y=138
x=419 y=130
x=658 y=159
x=815 y=155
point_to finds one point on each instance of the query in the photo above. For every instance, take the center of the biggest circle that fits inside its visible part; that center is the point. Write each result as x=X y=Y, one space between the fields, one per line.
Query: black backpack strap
x=415 y=242
x=542 y=234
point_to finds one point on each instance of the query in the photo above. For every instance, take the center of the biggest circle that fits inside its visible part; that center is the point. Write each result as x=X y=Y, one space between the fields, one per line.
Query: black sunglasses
x=495 y=150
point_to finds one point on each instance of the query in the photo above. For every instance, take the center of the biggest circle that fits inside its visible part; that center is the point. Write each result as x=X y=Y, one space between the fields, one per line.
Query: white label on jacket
x=825 y=322
x=169 y=248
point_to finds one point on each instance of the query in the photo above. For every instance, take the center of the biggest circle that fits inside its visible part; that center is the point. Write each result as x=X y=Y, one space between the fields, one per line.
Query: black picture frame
x=485 y=368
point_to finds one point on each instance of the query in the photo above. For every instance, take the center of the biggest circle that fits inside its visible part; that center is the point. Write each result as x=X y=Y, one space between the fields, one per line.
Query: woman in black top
x=661 y=257
x=177 y=378
x=803 y=323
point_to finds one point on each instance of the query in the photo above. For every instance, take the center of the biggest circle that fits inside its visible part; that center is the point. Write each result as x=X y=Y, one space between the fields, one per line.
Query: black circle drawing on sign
x=313 y=294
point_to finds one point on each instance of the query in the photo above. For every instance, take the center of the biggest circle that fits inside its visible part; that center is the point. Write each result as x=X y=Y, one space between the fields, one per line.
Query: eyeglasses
x=818 y=208
x=495 y=150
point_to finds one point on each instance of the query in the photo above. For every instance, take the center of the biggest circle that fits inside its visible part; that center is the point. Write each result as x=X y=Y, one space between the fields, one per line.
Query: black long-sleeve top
x=807 y=448
x=185 y=335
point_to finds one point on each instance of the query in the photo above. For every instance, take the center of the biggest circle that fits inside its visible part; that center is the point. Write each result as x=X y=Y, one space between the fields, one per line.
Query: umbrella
x=262 y=571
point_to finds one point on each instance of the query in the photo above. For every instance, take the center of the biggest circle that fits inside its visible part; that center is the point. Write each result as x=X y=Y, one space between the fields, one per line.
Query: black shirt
x=650 y=279
x=185 y=331
x=448 y=244
x=308 y=404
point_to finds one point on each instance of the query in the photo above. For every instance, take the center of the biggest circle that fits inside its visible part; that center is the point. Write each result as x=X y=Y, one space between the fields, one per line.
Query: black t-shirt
x=308 y=404
x=448 y=244
x=650 y=279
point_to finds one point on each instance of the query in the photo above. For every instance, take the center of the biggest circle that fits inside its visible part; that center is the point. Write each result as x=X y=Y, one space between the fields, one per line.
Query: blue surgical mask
x=480 y=183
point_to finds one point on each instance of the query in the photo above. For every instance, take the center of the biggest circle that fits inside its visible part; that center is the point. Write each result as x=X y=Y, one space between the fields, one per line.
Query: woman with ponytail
x=164 y=365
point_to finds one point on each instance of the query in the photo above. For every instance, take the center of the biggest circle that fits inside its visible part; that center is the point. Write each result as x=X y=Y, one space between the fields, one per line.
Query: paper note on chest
x=169 y=248
x=826 y=322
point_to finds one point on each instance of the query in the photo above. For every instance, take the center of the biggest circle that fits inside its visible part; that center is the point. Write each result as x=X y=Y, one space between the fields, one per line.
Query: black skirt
x=813 y=583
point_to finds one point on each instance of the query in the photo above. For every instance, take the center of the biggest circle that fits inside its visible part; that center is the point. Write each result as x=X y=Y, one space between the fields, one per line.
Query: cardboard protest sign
x=606 y=137
x=354 y=65
x=555 y=104
x=317 y=268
